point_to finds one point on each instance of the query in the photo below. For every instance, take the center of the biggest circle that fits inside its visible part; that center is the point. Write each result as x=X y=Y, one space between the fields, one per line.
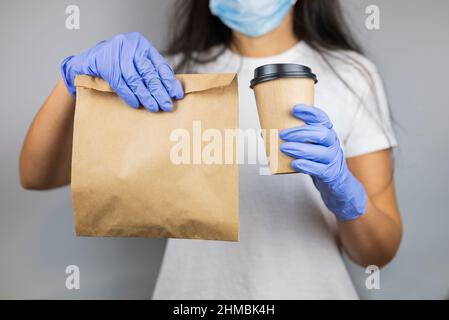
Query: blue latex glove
x=134 y=69
x=317 y=152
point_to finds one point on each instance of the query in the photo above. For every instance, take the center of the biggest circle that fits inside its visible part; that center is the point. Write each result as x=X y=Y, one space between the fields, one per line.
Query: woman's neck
x=275 y=42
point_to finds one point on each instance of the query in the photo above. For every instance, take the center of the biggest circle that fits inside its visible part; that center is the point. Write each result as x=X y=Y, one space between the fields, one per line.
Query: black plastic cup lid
x=281 y=70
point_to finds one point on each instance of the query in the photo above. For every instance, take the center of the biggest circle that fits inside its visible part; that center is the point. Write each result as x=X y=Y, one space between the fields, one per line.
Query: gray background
x=36 y=228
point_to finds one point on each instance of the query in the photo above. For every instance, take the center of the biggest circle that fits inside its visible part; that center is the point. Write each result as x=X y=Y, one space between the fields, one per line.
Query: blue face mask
x=251 y=17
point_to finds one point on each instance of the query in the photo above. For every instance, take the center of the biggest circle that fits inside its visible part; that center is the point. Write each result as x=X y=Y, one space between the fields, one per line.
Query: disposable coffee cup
x=278 y=88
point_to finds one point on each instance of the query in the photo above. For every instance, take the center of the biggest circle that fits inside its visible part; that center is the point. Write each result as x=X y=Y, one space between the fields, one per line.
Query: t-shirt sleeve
x=371 y=128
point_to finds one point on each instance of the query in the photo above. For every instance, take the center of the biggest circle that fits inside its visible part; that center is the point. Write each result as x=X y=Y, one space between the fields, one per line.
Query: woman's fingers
x=159 y=93
x=152 y=82
x=312 y=115
x=170 y=82
x=143 y=76
x=166 y=74
x=135 y=82
x=123 y=91
x=309 y=134
x=313 y=152
x=309 y=167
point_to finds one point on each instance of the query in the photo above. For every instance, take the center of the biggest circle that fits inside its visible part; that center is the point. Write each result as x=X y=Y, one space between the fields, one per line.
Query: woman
x=292 y=226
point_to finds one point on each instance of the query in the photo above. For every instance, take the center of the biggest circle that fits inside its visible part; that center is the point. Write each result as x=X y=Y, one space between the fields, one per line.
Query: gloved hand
x=134 y=69
x=317 y=152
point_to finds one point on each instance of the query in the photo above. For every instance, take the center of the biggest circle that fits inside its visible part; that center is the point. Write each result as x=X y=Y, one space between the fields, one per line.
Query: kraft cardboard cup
x=278 y=88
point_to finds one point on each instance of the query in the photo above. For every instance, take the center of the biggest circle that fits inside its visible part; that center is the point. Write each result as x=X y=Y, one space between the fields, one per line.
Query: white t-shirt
x=288 y=247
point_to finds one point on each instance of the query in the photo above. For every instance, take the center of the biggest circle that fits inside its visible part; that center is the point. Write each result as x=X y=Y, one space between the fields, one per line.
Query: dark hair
x=195 y=29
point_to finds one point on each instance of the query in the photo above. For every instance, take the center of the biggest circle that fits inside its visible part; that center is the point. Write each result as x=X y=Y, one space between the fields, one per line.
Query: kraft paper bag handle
x=196 y=83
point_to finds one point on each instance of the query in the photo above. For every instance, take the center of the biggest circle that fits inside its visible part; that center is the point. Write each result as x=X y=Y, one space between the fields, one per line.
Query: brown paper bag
x=124 y=183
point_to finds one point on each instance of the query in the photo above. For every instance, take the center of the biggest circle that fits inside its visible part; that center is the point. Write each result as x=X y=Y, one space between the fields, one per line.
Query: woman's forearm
x=46 y=153
x=372 y=239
